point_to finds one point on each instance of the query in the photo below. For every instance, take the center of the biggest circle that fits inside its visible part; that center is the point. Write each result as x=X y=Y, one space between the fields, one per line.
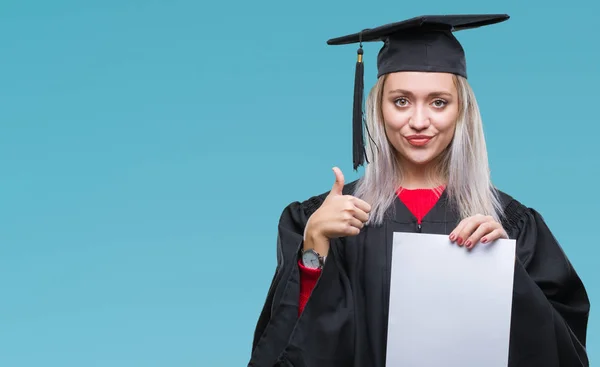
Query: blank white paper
x=449 y=306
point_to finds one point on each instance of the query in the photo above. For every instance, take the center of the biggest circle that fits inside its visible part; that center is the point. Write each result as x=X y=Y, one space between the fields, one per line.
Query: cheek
x=445 y=127
x=445 y=123
x=393 y=119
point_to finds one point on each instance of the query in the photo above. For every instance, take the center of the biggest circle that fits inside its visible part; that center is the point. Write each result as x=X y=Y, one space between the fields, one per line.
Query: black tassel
x=358 y=145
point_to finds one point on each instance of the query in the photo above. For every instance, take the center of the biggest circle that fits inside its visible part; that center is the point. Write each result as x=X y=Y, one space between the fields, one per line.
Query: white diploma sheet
x=449 y=306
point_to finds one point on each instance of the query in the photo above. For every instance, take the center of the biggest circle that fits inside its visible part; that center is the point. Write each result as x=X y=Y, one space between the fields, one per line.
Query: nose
x=419 y=120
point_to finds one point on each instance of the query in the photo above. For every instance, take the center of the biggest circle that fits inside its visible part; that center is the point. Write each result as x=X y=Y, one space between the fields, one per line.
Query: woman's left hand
x=477 y=228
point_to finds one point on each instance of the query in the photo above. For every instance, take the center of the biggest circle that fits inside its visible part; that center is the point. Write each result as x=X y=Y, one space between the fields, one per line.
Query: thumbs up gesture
x=340 y=215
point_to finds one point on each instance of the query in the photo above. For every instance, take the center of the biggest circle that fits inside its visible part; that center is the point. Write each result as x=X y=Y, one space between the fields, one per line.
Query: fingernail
x=468 y=243
x=484 y=240
x=452 y=237
x=460 y=241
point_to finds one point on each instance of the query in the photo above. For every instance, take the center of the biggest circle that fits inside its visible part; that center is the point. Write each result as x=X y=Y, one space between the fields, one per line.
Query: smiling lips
x=418 y=140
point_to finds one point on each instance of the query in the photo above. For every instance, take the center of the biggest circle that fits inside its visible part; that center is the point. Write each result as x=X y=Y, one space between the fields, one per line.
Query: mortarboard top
x=424 y=43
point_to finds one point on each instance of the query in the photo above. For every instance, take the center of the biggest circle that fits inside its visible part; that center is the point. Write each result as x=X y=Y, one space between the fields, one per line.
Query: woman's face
x=420 y=111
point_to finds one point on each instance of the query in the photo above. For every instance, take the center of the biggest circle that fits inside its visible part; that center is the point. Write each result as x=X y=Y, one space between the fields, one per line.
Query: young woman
x=428 y=172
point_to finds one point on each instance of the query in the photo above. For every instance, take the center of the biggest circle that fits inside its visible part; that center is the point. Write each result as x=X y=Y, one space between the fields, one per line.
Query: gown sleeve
x=322 y=334
x=550 y=303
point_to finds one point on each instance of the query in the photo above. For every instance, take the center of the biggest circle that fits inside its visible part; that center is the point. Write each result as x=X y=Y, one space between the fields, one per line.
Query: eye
x=401 y=102
x=439 y=103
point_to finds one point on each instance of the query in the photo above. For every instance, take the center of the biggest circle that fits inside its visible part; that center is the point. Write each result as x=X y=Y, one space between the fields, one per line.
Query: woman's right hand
x=339 y=216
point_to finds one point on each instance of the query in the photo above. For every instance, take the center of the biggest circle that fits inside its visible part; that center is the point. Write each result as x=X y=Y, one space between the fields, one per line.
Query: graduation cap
x=424 y=43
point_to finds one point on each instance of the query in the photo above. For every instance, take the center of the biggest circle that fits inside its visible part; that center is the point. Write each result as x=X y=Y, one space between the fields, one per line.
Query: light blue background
x=147 y=149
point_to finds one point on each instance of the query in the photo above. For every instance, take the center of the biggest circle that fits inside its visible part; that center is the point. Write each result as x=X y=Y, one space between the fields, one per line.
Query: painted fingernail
x=484 y=240
x=460 y=241
x=468 y=243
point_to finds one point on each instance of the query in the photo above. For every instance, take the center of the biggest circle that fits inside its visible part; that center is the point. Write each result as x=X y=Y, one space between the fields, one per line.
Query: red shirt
x=418 y=201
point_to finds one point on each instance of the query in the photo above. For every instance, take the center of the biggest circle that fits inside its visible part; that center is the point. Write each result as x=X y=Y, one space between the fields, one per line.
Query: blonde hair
x=463 y=164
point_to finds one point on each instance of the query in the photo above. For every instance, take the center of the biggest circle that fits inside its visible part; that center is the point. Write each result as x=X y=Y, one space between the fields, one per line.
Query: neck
x=420 y=176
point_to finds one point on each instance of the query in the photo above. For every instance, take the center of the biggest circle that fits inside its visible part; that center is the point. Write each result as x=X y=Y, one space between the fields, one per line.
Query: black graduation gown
x=344 y=322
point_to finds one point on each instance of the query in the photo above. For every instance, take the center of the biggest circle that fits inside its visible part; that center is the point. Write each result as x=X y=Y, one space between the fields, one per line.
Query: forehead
x=420 y=82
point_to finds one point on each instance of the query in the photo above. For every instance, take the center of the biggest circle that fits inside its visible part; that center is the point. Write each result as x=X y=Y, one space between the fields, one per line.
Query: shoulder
x=513 y=211
x=305 y=208
x=518 y=218
x=536 y=242
x=293 y=219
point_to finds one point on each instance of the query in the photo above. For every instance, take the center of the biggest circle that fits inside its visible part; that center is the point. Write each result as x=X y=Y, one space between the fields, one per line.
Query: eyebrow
x=432 y=94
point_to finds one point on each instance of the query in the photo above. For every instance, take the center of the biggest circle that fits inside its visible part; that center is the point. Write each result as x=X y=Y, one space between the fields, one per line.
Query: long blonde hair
x=464 y=163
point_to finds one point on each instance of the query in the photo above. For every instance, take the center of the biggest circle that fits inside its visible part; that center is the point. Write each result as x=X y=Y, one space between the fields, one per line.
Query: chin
x=419 y=157
x=419 y=162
